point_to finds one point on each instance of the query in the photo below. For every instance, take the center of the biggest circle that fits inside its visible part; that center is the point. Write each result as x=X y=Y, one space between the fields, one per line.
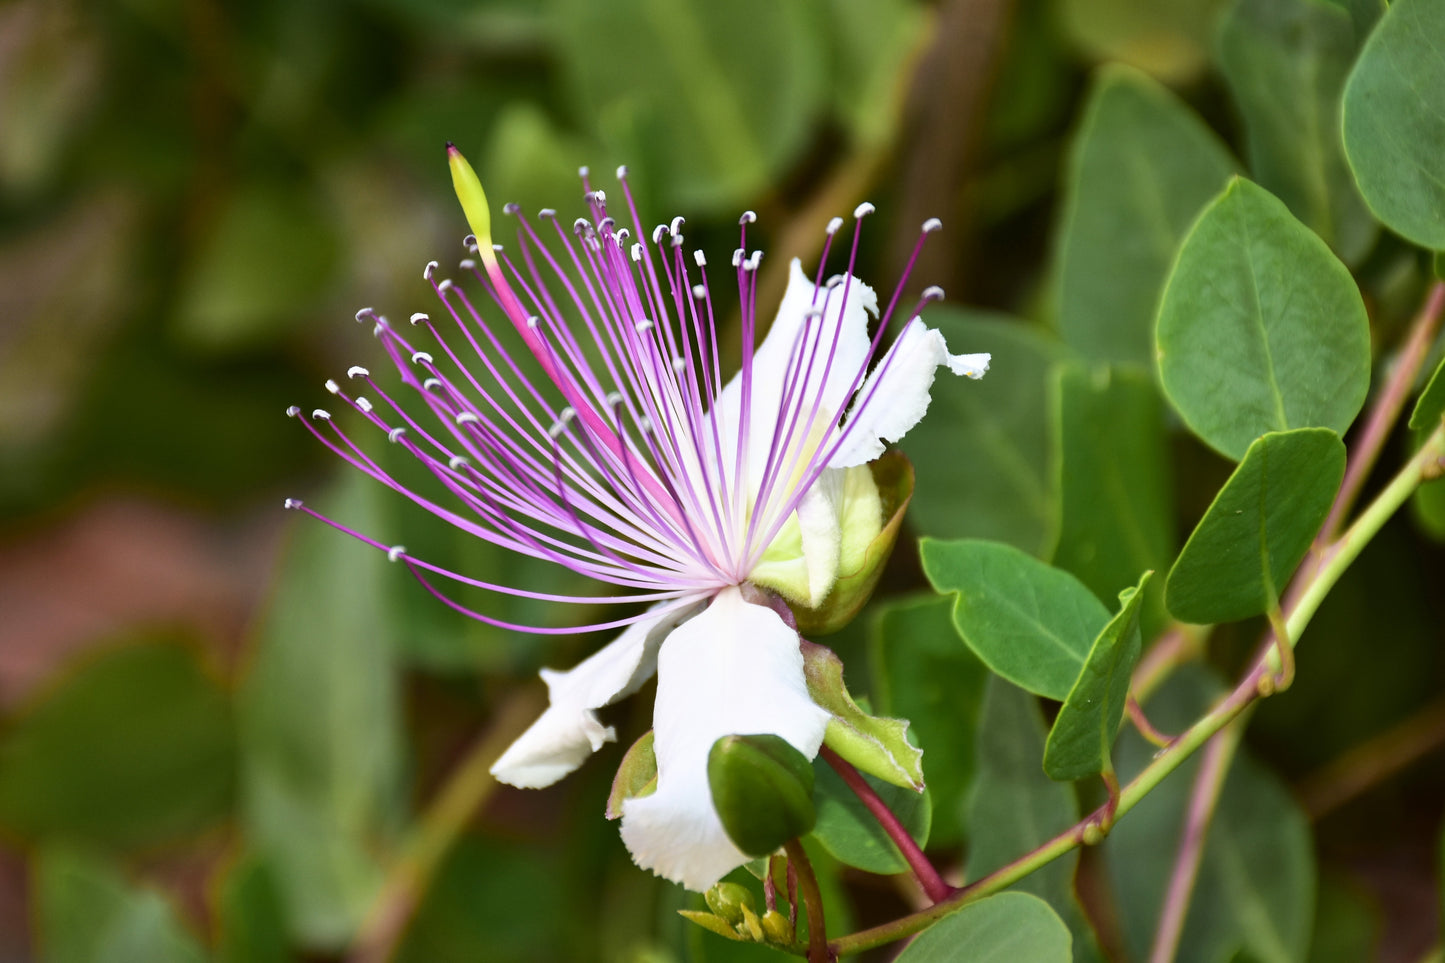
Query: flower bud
x=728 y=899
x=777 y=928
x=762 y=789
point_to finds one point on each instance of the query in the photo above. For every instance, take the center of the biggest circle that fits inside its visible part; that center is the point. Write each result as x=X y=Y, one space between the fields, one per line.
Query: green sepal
x=728 y=901
x=893 y=474
x=876 y=745
x=762 y=789
x=715 y=924
x=636 y=776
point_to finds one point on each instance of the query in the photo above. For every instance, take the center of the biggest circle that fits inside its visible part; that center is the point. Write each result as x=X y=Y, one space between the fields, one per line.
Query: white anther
x=643 y=326
x=292 y=503
x=470 y=242
x=621 y=171
x=466 y=416
x=622 y=235
x=422 y=356
x=752 y=263
x=863 y=210
x=583 y=171
x=510 y=208
x=657 y=233
x=644 y=424
x=419 y=317
x=699 y=258
x=567 y=414
x=362 y=314
x=676 y=224
x=357 y=371
x=699 y=292
x=380 y=328
x=592 y=243
x=738 y=257
x=430 y=267
x=431 y=383
x=556 y=430
x=748 y=218
x=812 y=314
x=679 y=365
x=444 y=287
x=933 y=293
x=363 y=404
x=321 y=414
x=834 y=281
x=931 y=225
x=600 y=197
x=614 y=397
x=834 y=226
x=580 y=225
x=293 y=411
x=677 y=240
x=395 y=552
x=637 y=252
x=457 y=462
x=547 y=212
x=332 y=386
x=607 y=225
x=395 y=433
x=467 y=264
x=534 y=322
x=498 y=248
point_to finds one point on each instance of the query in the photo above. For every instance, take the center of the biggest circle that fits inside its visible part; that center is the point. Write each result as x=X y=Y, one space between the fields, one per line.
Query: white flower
x=636 y=465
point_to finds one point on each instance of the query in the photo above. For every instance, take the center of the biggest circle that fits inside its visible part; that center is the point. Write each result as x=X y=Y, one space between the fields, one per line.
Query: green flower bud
x=728 y=899
x=762 y=789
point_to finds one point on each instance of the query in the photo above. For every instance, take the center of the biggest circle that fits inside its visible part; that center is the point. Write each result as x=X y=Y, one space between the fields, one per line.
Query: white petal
x=568 y=732
x=736 y=669
x=897 y=392
x=818 y=517
x=842 y=331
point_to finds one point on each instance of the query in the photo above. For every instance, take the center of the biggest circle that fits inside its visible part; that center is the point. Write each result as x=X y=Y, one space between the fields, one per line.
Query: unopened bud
x=777 y=928
x=728 y=899
x=762 y=789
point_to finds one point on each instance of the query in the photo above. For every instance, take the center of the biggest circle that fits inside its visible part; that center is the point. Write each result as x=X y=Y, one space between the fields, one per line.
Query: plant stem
x=1331 y=567
x=1372 y=761
x=928 y=877
x=1142 y=723
x=1387 y=407
x=1208 y=784
x=466 y=789
x=818 y=950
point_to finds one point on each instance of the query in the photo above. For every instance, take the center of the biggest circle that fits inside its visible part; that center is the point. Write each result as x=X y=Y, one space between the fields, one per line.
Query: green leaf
x=1258 y=529
x=251 y=919
x=1261 y=328
x=1394 y=120
x=1164 y=39
x=850 y=833
x=1016 y=807
x=1079 y=743
x=921 y=673
x=1141 y=167
x=1001 y=489
x=133 y=749
x=712 y=101
x=502 y=903
x=1431 y=405
x=1029 y=622
x=1285 y=62
x=873 y=42
x=321 y=764
x=88 y=912
x=877 y=746
x=1009 y=926
x=1117 y=516
x=636 y=775
x=1256 y=885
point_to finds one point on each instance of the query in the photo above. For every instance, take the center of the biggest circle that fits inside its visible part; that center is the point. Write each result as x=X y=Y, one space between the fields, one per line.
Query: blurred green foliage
x=196 y=197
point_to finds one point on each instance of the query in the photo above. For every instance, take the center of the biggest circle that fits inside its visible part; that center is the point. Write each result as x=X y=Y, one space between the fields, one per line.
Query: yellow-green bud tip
x=473 y=198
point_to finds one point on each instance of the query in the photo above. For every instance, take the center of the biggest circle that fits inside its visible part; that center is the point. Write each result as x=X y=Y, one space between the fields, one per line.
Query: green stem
x=1425 y=464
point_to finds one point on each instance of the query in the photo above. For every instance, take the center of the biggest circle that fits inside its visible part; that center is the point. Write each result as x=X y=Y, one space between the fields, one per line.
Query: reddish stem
x=933 y=885
x=1145 y=727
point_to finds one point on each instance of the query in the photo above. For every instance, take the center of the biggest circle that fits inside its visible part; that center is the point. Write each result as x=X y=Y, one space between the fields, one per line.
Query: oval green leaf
x=1261 y=327
x=1029 y=622
x=1394 y=119
x=1009 y=926
x=1083 y=734
x=1141 y=168
x=1258 y=529
x=850 y=833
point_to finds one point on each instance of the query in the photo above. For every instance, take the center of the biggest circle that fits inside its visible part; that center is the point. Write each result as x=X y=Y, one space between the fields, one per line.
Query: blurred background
x=219 y=724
